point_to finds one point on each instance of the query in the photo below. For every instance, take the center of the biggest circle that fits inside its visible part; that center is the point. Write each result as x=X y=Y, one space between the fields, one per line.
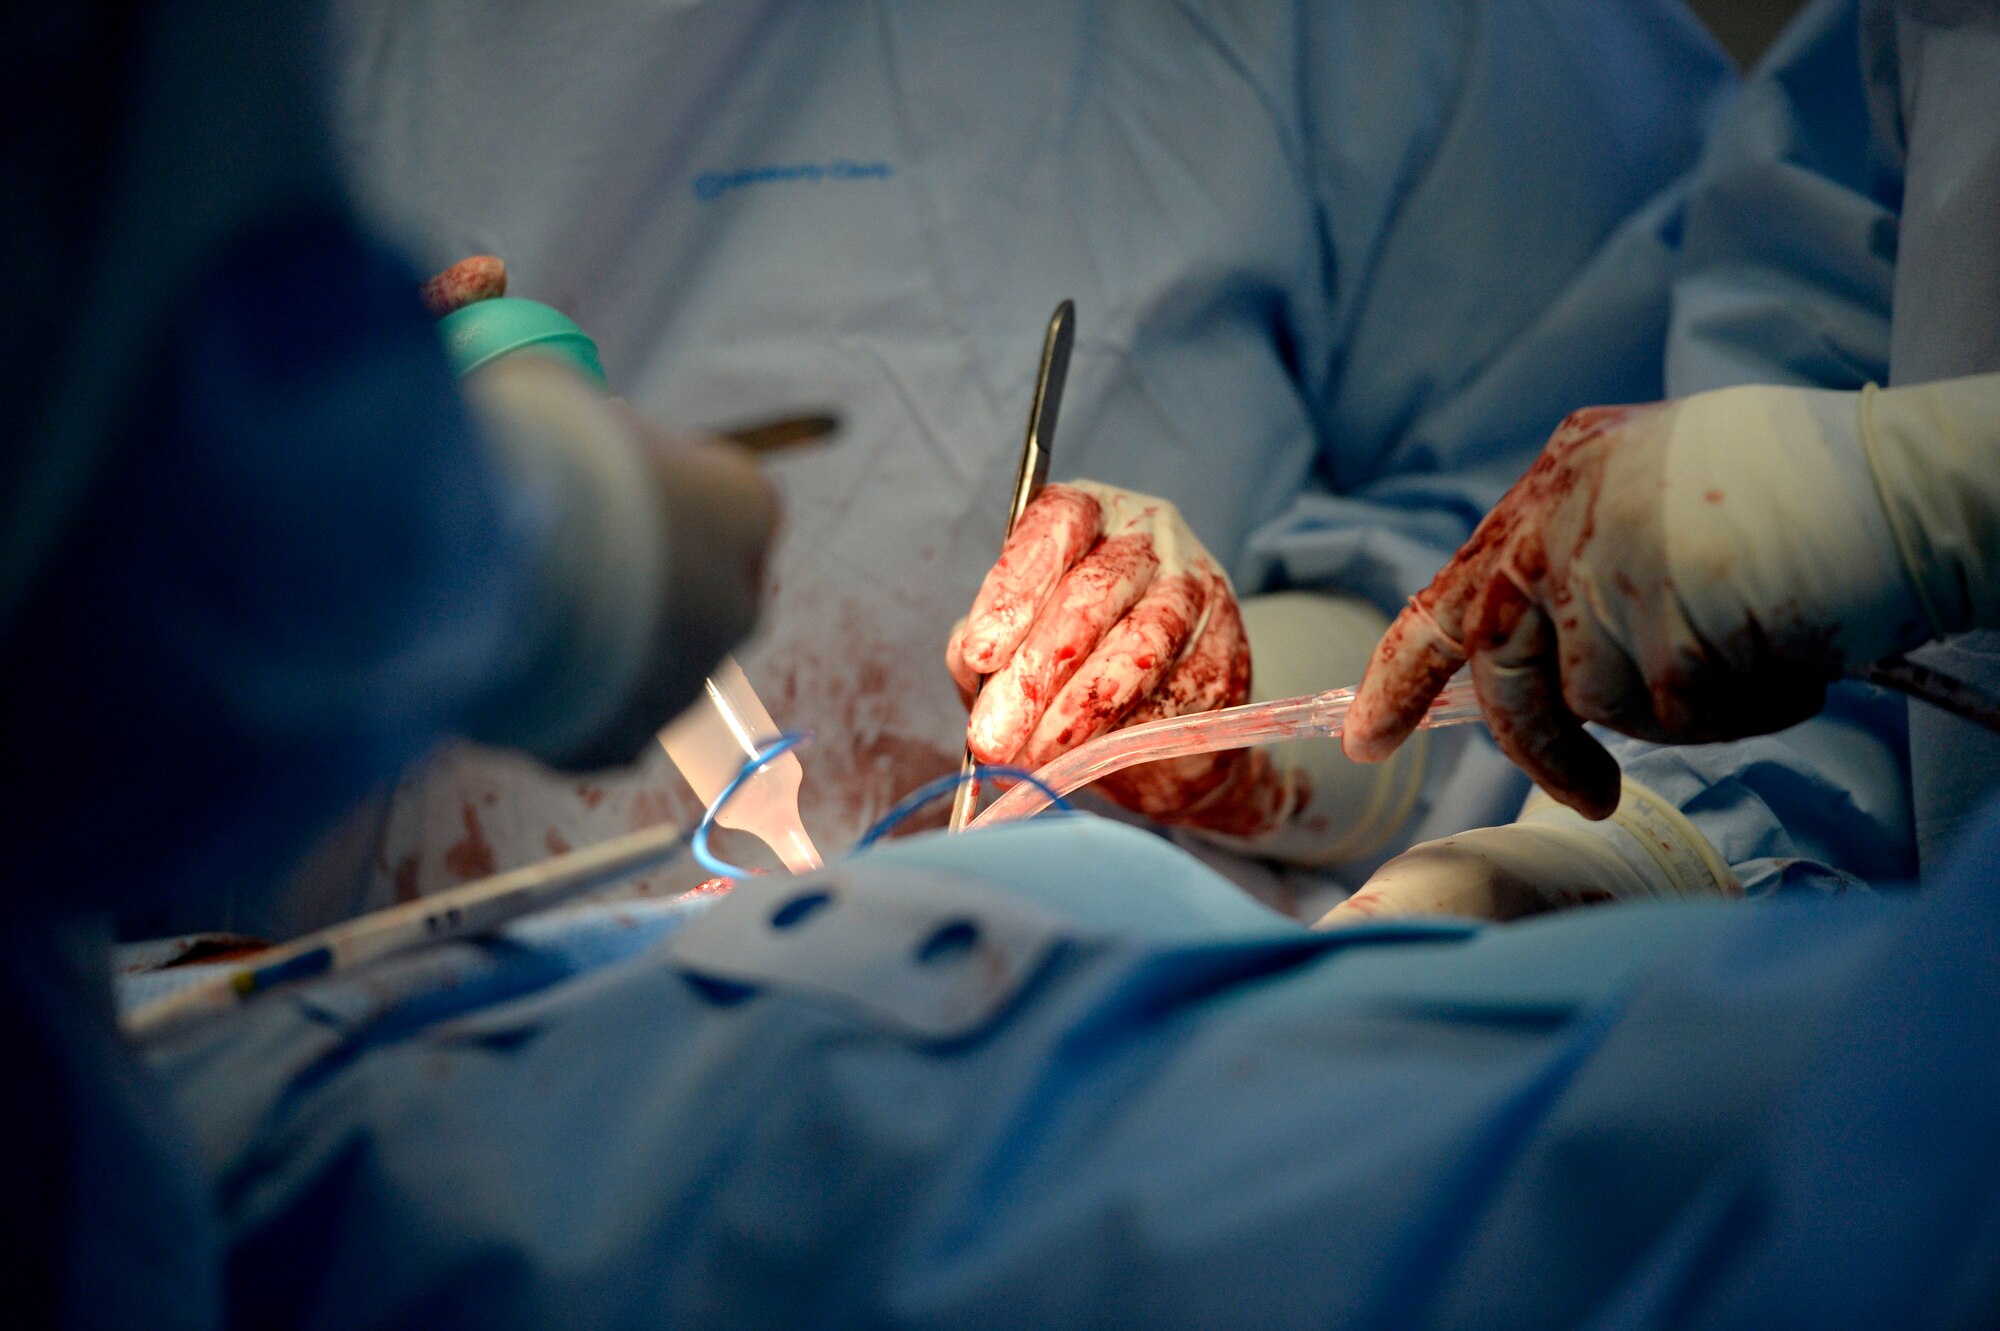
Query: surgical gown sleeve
x=1493 y=195
x=1786 y=274
x=238 y=500
x=287 y=562
x=1491 y=187
x=298 y=569
x=1788 y=257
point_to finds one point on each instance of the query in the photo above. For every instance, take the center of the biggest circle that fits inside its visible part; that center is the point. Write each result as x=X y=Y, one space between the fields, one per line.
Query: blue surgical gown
x=1840 y=231
x=1059 y=1074
x=275 y=560
x=254 y=559
x=1339 y=269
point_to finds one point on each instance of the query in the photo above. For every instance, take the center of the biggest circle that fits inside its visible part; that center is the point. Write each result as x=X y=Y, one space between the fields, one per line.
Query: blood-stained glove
x=1104 y=610
x=1699 y=570
x=481 y=277
x=1549 y=859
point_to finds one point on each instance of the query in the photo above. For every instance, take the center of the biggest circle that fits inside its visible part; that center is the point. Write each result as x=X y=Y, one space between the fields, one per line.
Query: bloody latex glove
x=481 y=277
x=1681 y=571
x=1104 y=610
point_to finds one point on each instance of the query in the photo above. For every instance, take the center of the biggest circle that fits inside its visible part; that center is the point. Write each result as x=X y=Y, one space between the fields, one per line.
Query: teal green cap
x=488 y=329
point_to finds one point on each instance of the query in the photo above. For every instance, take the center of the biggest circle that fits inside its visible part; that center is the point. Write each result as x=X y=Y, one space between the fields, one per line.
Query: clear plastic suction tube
x=1315 y=715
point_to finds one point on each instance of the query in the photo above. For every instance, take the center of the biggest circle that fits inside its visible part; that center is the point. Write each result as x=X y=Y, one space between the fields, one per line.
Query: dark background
x=1745 y=27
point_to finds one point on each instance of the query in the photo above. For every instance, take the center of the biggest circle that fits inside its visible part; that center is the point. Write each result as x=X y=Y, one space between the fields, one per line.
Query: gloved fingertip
x=481 y=277
x=955 y=664
x=1387 y=709
x=965 y=681
x=1375 y=743
x=993 y=632
x=992 y=732
x=980 y=654
x=1032 y=756
x=1408 y=668
x=1595 y=795
x=1365 y=905
x=1056 y=732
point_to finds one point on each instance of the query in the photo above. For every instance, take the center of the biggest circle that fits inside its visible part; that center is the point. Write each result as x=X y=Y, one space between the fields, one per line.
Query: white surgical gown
x=1339 y=269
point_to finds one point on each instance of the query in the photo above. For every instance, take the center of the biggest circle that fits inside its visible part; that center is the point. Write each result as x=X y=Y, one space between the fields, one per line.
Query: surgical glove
x=1548 y=860
x=481 y=277
x=1104 y=610
x=1699 y=570
x=649 y=561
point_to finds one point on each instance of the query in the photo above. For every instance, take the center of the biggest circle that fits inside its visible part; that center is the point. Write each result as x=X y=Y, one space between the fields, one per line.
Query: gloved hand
x=649 y=552
x=1699 y=570
x=720 y=517
x=1104 y=610
x=480 y=277
x=1547 y=860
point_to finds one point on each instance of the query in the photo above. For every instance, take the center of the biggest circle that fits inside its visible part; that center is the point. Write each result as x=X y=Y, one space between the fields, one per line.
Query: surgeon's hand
x=1104 y=610
x=1549 y=860
x=1489 y=873
x=650 y=559
x=645 y=567
x=1681 y=571
x=481 y=277
x=720 y=518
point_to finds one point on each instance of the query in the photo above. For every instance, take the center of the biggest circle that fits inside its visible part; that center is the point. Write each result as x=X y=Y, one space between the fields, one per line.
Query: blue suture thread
x=946 y=785
x=909 y=804
x=698 y=843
